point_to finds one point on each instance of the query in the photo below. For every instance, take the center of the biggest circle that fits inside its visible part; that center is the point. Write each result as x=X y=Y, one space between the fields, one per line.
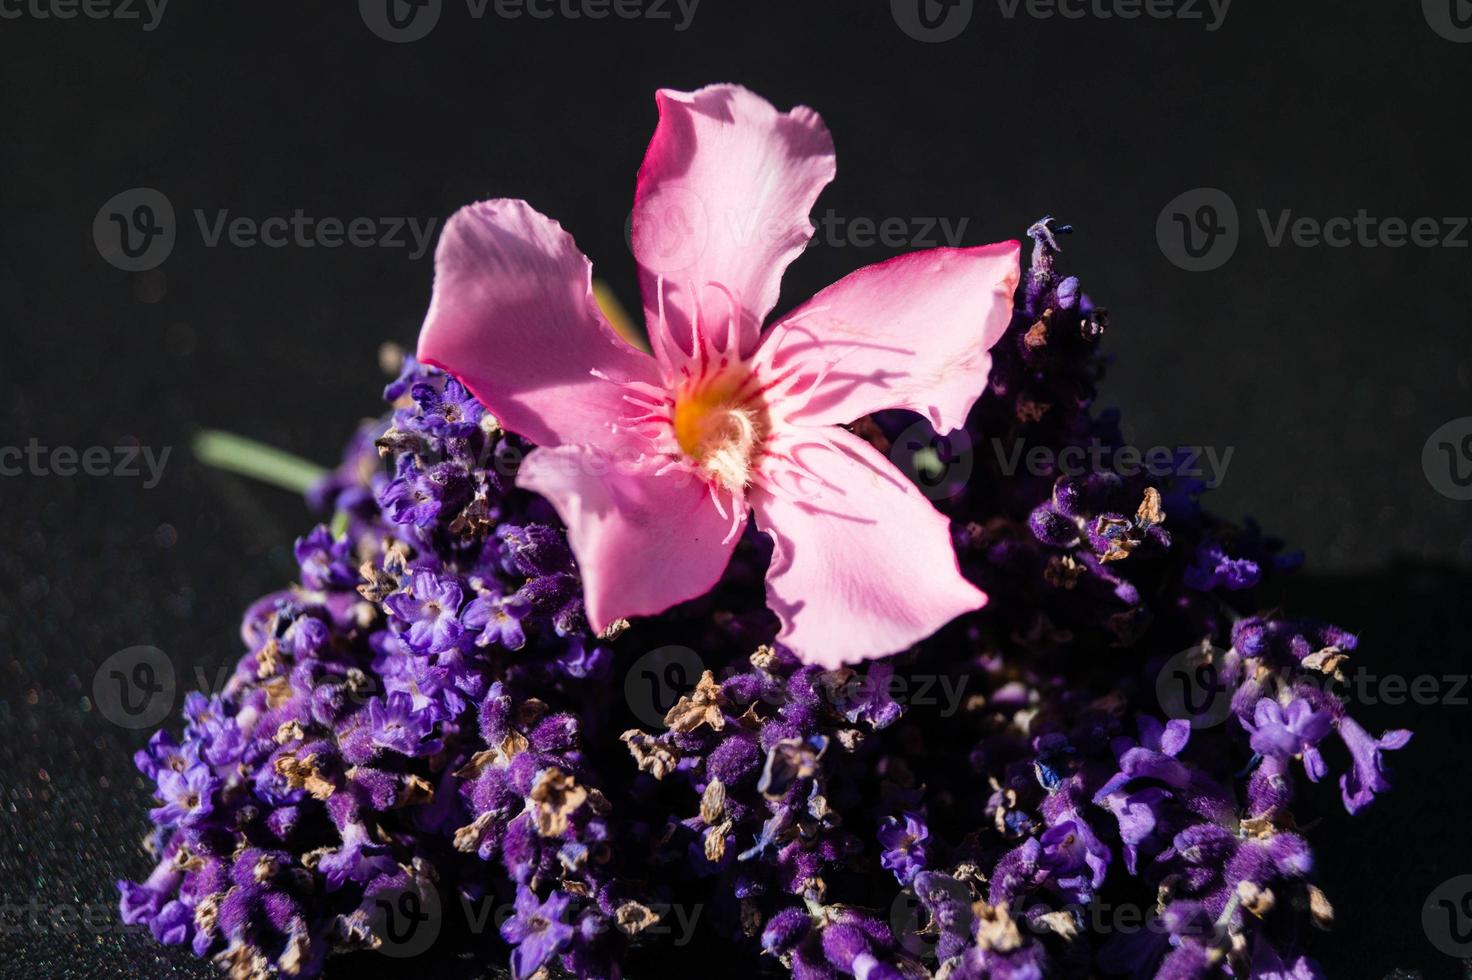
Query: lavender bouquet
x=981 y=720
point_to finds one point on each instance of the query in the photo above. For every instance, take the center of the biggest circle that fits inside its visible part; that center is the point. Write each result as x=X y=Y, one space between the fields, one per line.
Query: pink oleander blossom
x=656 y=462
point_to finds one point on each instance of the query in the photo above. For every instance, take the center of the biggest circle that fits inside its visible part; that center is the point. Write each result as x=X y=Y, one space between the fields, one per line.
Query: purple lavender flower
x=358 y=859
x=418 y=496
x=903 y=843
x=1291 y=731
x=212 y=732
x=535 y=549
x=305 y=635
x=1366 y=776
x=396 y=725
x=141 y=903
x=186 y=797
x=430 y=607
x=497 y=619
x=164 y=752
x=785 y=929
x=537 y=930
x=448 y=410
x=383 y=736
x=410 y=372
x=1214 y=569
x=325 y=561
x=1075 y=858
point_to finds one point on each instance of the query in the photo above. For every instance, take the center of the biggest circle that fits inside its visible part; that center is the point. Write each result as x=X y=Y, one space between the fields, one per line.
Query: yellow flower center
x=721 y=424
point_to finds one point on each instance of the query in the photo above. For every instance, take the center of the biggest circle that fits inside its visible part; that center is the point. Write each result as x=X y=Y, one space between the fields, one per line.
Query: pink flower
x=655 y=462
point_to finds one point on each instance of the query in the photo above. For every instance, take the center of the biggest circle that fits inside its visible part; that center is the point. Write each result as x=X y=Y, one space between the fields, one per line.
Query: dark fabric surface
x=1325 y=369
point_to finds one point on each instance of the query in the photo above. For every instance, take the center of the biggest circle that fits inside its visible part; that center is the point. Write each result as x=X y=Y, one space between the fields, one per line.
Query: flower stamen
x=718 y=429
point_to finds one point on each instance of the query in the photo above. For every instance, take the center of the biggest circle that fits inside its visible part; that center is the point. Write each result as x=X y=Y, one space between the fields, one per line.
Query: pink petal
x=514 y=319
x=912 y=332
x=643 y=542
x=723 y=197
x=863 y=564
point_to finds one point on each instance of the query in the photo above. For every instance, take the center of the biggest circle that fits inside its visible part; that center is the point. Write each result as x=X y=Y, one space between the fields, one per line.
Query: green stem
x=227 y=451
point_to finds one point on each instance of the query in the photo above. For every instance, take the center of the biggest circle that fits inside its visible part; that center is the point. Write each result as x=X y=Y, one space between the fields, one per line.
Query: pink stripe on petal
x=514 y=319
x=912 y=332
x=643 y=542
x=721 y=208
x=863 y=565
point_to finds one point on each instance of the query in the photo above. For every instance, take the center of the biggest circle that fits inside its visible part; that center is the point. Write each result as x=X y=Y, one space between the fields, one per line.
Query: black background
x=1324 y=369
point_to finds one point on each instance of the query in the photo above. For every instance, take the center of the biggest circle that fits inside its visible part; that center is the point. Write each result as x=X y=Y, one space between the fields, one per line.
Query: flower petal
x=912 y=332
x=643 y=542
x=863 y=565
x=514 y=319
x=723 y=197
